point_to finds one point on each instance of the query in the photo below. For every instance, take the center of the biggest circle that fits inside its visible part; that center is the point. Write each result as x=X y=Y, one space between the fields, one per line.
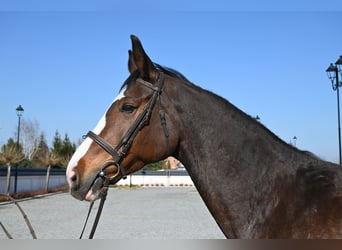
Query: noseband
x=119 y=152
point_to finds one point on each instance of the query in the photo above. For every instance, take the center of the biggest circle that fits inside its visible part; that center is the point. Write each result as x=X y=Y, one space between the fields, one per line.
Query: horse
x=254 y=184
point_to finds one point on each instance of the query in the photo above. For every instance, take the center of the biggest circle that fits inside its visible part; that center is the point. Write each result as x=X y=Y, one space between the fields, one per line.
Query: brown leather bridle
x=119 y=152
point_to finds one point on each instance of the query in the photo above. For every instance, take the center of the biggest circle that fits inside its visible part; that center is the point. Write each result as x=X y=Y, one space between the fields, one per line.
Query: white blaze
x=83 y=148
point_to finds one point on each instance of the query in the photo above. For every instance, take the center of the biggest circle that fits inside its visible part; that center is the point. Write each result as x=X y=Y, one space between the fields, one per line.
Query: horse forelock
x=129 y=80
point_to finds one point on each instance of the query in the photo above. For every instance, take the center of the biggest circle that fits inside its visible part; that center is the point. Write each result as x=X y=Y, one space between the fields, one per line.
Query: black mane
x=172 y=72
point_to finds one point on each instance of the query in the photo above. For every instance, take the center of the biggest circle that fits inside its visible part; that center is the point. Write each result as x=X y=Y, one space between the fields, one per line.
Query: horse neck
x=232 y=159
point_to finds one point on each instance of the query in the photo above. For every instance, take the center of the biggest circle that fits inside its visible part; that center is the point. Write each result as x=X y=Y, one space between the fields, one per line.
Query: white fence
x=157 y=180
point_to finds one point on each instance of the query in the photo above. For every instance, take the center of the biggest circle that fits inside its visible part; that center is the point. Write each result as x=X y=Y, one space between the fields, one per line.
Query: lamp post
x=294 y=141
x=333 y=71
x=20 y=112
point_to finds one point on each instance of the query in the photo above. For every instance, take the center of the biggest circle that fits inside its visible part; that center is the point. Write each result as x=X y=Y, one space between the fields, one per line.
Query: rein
x=120 y=151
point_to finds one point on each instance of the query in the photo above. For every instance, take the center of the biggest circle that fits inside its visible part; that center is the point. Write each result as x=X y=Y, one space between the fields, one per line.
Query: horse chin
x=95 y=190
x=89 y=190
x=90 y=196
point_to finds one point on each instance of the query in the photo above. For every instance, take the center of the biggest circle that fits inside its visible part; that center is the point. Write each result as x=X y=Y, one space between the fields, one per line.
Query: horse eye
x=127 y=108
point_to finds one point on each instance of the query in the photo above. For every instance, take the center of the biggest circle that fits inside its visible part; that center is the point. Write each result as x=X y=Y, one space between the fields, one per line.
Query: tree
x=44 y=158
x=68 y=150
x=50 y=161
x=29 y=136
x=155 y=166
x=63 y=149
x=57 y=143
x=10 y=154
x=41 y=153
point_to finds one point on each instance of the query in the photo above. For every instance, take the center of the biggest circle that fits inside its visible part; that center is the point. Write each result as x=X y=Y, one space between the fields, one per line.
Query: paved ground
x=144 y=213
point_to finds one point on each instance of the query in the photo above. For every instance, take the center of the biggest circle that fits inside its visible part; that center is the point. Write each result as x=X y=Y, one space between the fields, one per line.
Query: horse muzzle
x=90 y=188
x=87 y=190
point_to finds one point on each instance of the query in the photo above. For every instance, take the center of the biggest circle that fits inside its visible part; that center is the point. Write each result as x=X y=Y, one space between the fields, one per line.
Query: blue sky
x=66 y=67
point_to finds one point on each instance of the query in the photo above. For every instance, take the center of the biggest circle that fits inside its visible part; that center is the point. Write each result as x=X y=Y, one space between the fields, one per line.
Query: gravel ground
x=143 y=213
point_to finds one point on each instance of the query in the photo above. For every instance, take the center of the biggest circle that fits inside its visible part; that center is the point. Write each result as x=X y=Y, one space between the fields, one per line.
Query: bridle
x=119 y=152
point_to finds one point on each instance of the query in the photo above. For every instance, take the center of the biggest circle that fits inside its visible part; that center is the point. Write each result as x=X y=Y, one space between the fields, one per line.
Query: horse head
x=138 y=128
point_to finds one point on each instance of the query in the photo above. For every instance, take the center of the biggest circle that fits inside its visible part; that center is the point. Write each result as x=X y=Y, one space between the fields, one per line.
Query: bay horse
x=254 y=184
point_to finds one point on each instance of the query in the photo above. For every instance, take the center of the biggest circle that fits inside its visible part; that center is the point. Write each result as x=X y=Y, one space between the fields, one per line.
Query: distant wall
x=29 y=179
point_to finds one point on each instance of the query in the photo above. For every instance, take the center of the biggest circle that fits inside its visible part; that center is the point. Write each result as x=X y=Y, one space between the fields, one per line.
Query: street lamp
x=294 y=141
x=332 y=72
x=20 y=112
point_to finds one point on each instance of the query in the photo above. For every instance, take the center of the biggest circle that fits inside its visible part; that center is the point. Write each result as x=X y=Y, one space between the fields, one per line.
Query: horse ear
x=131 y=64
x=141 y=60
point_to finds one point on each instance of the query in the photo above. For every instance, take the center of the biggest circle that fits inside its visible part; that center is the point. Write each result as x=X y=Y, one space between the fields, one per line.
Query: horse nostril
x=73 y=178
